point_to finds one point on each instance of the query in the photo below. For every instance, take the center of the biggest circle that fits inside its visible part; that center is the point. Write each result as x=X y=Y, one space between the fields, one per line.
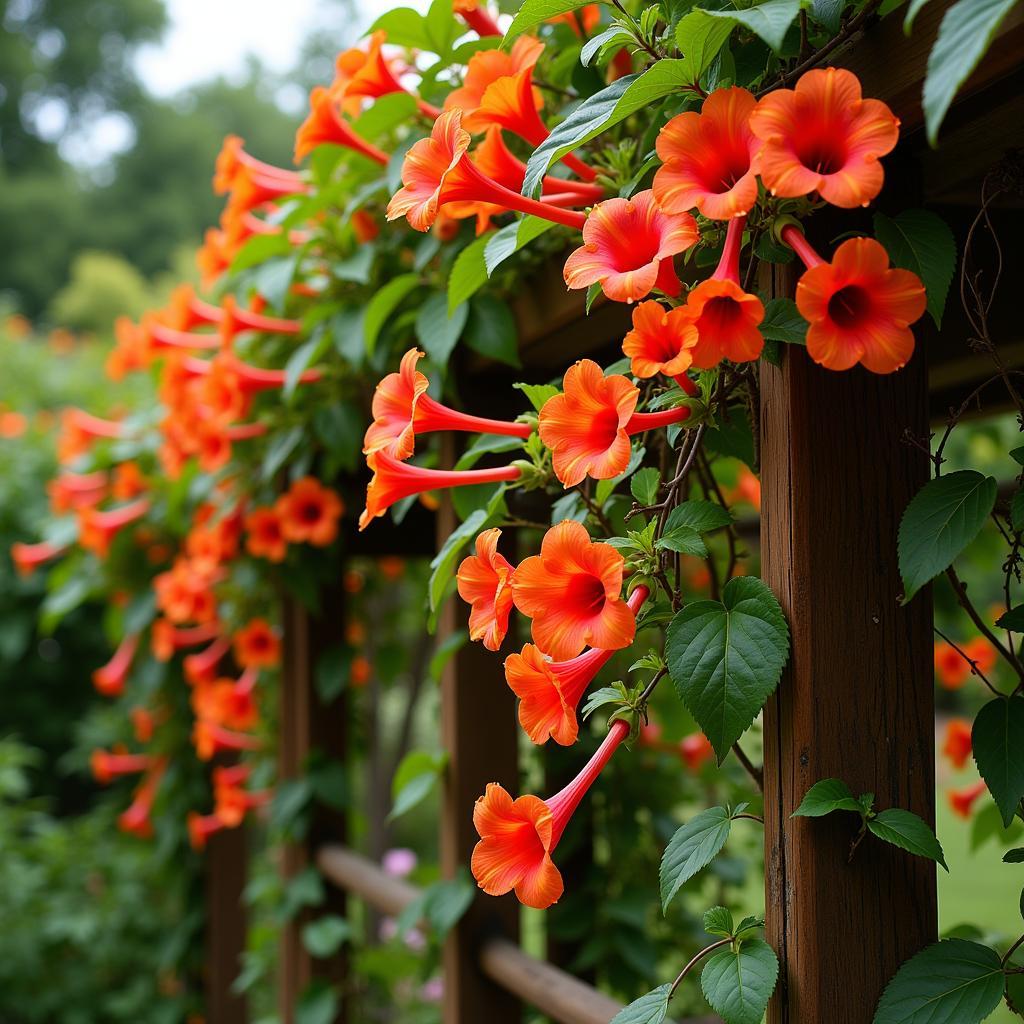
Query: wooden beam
x=480 y=735
x=856 y=699
x=226 y=872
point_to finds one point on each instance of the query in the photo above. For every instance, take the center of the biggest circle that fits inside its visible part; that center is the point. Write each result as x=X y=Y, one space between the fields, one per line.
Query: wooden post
x=307 y=723
x=226 y=862
x=856 y=699
x=478 y=726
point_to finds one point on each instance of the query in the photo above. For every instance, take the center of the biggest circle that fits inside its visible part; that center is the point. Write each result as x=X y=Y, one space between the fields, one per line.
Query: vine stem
x=979 y=622
x=696 y=960
x=646 y=695
x=637 y=35
x=757 y=774
x=1013 y=949
x=970 y=661
x=750 y=817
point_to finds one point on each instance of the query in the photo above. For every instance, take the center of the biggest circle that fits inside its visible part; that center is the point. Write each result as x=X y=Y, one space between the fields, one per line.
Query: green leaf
x=648 y=1009
x=1017 y=511
x=383 y=304
x=511 y=238
x=725 y=658
x=538 y=394
x=691 y=849
x=324 y=936
x=534 y=12
x=738 y=985
x=300 y=359
x=719 y=921
x=908 y=832
x=966 y=31
x=783 y=322
x=951 y=982
x=414 y=778
x=491 y=330
x=770 y=20
x=1017 y=454
x=997 y=741
x=828 y=13
x=733 y=437
x=405 y=27
x=699 y=39
x=702 y=516
x=442 y=28
x=317 y=1005
x=1015 y=856
x=827 y=796
x=609 y=37
x=921 y=241
x=683 y=539
x=604 y=109
x=438 y=329
x=469 y=272
x=913 y=9
x=940 y=521
x=357 y=267
x=644 y=485
x=1012 y=620
x=440 y=905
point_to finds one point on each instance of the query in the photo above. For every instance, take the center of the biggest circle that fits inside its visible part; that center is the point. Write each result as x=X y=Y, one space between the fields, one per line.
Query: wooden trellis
x=836 y=476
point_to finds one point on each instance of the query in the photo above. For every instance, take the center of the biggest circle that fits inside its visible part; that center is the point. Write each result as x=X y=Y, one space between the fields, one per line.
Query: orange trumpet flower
x=79 y=429
x=726 y=317
x=572 y=591
x=368 y=74
x=951 y=667
x=28 y=557
x=587 y=426
x=957 y=741
x=264 y=538
x=97 y=530
x=309 y=513
x=231 y=801
x=549 y=691
x=476 y=17
x=485 y=583
x=963 y=800
x=209 y=738
x=487 y=67
x=402 y=409
x=393 y=480
x=129 y=482
x=233 y=160
x=202 y=667
x=107 y=766
x=517 y=837
x=326 y=125
x=109 y=679
x=70 y=491
x=661 y=341
x=135 y=819
x=437 y=170
x=201 y=827
x=257 y=645
x=166 y=638
x=628 y=245
x=823 y=137
x=859 y=309
x=709 y=160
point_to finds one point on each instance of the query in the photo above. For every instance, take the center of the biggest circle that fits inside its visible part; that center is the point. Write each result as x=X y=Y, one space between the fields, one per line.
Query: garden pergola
x=828 y=552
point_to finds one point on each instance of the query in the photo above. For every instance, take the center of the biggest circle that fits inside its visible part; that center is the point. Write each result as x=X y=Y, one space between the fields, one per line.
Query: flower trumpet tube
x=476 y=17
x=859 y=309
x=251 y=378
x=234 y=319
x=80 y=428
x=69 y=491
x=107 y=766
x=823 y=137
x=572 y=591
x=201 y=827
x=726 y=317
x=204 y=664
x=28 y=557
x=437 y=170
x=97 y=530
x=963 y=800
x=367 y=74
x=517 y=837
x=109 y=679
x=159 y=335
x=135 y=819
x=234 y=160
x=628 y=246
x=209 y=738
x=166 y=638
x=402 y=409
x=326 y=125
x=550 y=691
x=588 y=426
x=393 y=480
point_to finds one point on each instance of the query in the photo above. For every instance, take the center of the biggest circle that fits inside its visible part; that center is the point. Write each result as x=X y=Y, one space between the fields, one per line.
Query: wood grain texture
x=479 y=732
x=856 y=699
x=226 y=862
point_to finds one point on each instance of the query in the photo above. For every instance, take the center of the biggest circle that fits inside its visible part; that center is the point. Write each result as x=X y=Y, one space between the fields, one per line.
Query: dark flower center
x=849 y=306
x=586 y=594
x=604 y=426
x=309 y=512
x=720 y=315
x=822 y=153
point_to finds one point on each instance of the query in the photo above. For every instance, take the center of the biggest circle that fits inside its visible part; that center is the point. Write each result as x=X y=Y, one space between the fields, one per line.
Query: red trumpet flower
x=393 y=480
x=963 y=800
x=135 y=819
x=326 y=125
x=549 y=691
x=28 y=557
x=76 y=490
x=957 y=741
x=661 y=341
x=79 y=429
x=233 y=160
x=166 y=638
x=489 y=66
x=402 y=409
x=109 y=679
x=485 y=583
x=517 y=837
x=823 y=137
x=571 y=590
x=437 y=170
x=696 y=750
x=107 y=766
x=628 y=245
x=726 y=317
x=97 y=530
x=308 y=513
x=201 y=827
x=264 y=537
x=203 y=666
x=209 y=738
x=588 y=426
x=859 y=309
x=367 y=74
x=709 y=160
x=257 y=645
x=250 y=378
x=476 y=17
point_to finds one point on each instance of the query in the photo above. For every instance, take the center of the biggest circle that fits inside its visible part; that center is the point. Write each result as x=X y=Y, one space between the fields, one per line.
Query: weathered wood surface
x=226 y=864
